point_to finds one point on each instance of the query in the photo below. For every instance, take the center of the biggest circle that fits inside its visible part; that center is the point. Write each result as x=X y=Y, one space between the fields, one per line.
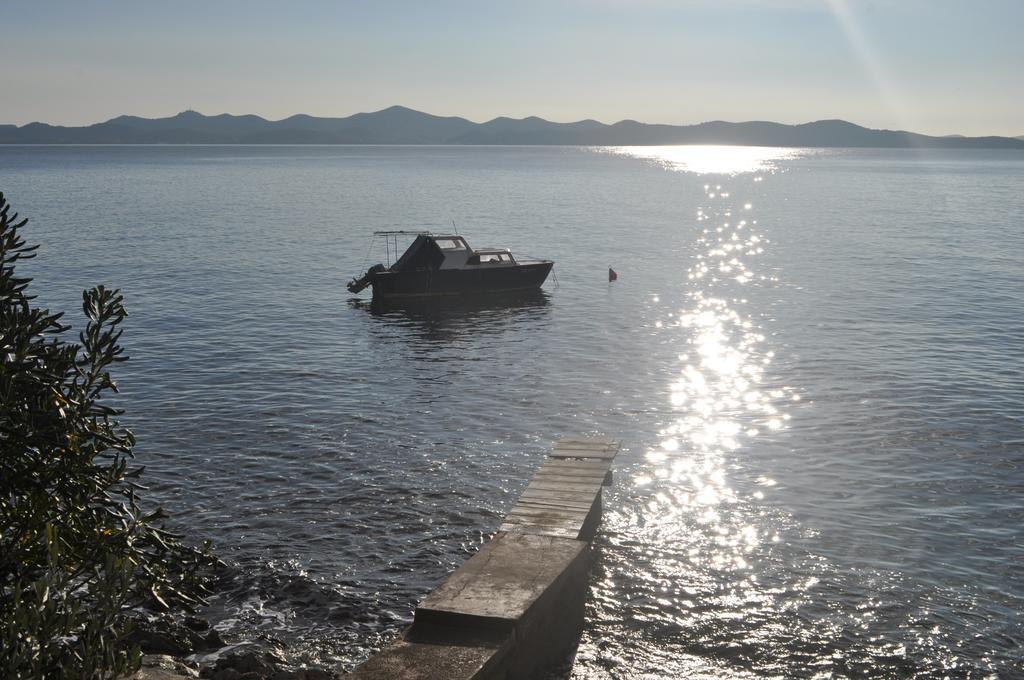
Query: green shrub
x=77 y=554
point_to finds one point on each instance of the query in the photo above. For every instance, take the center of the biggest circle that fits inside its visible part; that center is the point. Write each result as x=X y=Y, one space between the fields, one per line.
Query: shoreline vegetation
x=403 y=126
x=91 y=585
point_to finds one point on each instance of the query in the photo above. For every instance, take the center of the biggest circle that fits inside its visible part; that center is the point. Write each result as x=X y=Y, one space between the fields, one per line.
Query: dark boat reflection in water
x=445 y=318
x=443 y=265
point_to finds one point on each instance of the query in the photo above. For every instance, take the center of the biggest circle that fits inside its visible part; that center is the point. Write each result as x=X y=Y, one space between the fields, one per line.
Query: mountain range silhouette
x=401 y=125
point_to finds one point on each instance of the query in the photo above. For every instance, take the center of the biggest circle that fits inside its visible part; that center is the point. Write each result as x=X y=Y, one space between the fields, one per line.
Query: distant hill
x=400 y=125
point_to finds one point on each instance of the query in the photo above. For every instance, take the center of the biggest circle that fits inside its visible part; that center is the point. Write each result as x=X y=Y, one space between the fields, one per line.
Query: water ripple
x=813 y=359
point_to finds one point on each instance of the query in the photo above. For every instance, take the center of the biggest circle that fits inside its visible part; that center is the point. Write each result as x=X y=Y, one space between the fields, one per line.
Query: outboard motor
x=357 y=285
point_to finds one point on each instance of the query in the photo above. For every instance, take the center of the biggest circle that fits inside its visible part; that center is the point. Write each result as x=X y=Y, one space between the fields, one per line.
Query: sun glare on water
x=699 y=504
x=709 y=159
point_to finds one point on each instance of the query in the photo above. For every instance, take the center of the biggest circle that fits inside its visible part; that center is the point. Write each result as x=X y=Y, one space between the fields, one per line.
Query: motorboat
x=445 y=264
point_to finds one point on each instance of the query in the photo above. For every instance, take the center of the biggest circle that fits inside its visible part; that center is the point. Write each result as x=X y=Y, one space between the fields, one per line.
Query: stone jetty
x=516 y=607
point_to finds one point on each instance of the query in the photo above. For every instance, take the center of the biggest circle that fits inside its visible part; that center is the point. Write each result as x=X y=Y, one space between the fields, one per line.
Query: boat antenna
x=454 y=227
x=368 y=248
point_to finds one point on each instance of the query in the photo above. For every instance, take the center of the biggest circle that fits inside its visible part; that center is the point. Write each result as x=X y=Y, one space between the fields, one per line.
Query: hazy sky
x=938 y=66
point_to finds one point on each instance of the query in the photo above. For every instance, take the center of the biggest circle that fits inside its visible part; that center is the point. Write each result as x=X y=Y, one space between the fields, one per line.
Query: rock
x=164 y=636
x=157 y=674
x=222 y=674
x=226 y=674
x=164 y=667
x=303 y=674
x=160 y=637
x=245 y=664
x=286 y=675
x=212 y=640
x=197 y=624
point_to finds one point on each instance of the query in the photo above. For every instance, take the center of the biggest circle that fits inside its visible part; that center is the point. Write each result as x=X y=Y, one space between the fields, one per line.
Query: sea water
x=814 y=360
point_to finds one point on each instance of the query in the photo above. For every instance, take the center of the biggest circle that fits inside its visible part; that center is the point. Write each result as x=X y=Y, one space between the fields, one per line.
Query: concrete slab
x=546 y=477
x=554 y=495
x=497 y=588
x=553 y=520
x=553 y=530
x=583 y=444
x=543 y=477
x=532 y=513
x=603 y=441
x=450 y=660
x=602 y=454
x=568 y=474
x=548 y=516
x=578 y=443
x=590 y=490
x=596 y=465
x=588 y=485
x=556 y=530
x=554 y=523
x=567 y=507
x=595 y=455
x=567 y=512
x=599 y=448
x=582 y=452
x=579 y=494
x=517 y=606
x=553 y=504
x=575 y=467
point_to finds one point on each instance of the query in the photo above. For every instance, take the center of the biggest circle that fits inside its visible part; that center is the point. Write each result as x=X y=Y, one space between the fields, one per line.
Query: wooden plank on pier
x=579 y=466
x=564 y=496
x=544 y=496
x=588 y=486
x=544 y=525
x=566 y=520
x=568 y=501
x=576 y=467
x=455 y=656
x=569 y=471
x=585 y=444
x=596 y=454
x=553 y=509
x=586 y=469
x=555 y=531
x=538 y=507
x=562 y=481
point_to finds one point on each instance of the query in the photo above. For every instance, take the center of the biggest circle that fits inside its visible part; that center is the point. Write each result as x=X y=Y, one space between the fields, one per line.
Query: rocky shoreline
x=189 y=647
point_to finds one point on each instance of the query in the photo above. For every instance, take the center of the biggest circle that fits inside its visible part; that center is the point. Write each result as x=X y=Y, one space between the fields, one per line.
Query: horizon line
x=475 y=122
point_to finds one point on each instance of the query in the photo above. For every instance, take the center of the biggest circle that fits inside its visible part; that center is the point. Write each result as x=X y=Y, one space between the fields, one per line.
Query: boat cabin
x=491 y=256
x=448 y=251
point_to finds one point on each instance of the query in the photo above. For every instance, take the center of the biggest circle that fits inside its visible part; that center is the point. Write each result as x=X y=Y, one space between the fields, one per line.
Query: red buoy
x=612 y=276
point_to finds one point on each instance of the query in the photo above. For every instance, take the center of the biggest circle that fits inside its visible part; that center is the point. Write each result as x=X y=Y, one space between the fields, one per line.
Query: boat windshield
x=450 y=243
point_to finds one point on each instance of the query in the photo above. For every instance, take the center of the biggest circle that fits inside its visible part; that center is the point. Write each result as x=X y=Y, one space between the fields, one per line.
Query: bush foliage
x=77 y=555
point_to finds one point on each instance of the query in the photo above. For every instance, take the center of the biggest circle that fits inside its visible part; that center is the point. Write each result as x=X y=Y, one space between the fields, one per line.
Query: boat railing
x=390 y=237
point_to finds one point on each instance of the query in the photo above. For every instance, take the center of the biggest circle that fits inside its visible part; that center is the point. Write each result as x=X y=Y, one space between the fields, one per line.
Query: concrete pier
x=516 y=607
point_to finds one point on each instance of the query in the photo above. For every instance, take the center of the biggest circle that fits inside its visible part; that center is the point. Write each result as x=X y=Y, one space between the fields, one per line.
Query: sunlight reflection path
x=699 y=527
x=709 y=159
x=717 y=393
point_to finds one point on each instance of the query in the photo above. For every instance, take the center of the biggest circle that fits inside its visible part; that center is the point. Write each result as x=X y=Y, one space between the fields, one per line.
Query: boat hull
x=454 y=282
